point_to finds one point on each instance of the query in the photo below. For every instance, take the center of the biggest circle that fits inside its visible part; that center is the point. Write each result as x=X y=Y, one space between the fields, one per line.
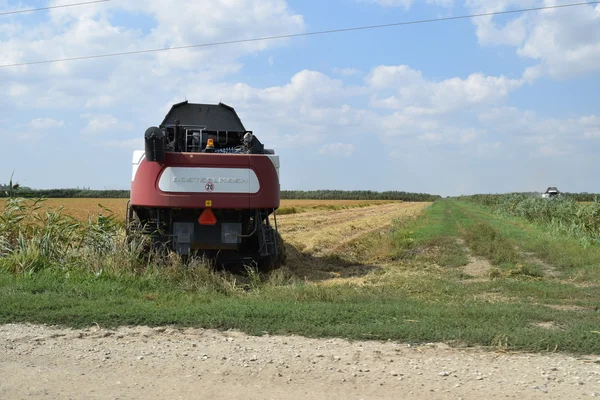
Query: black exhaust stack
x=154 y=139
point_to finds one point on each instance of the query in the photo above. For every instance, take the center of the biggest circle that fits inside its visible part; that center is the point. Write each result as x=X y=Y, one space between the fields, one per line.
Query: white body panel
x=208 y=180
x=138 y=156
x=275 y=160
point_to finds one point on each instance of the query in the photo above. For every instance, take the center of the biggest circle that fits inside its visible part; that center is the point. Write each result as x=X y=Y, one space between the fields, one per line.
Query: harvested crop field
x=82 y=208
x=320 y=243
x=324 y=232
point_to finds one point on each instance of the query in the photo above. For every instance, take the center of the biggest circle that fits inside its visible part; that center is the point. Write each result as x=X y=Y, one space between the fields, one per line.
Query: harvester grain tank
x=206 y=185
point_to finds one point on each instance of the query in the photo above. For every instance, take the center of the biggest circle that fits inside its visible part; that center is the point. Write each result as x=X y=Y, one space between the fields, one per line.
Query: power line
x=52 y=7
x=292 y=35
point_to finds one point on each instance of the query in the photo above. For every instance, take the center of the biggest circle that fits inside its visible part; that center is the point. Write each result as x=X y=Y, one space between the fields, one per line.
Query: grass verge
x=371 y=313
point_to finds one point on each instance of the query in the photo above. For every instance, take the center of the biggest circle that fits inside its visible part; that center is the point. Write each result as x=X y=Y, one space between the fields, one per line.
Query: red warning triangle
x=207 y=217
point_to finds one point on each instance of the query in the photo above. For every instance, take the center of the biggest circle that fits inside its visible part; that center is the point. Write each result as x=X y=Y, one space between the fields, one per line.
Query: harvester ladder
x=268 y=235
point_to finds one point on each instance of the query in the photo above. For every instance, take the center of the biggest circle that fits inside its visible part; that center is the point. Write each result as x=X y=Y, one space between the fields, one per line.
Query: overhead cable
x=52 y=7
x=293 y=35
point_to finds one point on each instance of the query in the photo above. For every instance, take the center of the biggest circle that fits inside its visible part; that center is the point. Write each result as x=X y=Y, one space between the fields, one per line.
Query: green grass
x=529 y=268
x=566 y=254
x=312 y=311
x=432 y=238
x=422 y=294
x=563 y=215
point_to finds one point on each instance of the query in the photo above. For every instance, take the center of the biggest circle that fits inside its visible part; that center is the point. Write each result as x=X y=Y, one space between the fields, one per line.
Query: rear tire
x=273 y=262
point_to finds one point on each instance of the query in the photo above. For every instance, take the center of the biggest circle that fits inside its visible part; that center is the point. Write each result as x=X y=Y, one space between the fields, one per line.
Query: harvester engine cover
x=198 y=187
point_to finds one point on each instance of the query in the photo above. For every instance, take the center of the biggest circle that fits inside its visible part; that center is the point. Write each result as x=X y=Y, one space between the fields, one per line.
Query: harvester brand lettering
x=209 y=180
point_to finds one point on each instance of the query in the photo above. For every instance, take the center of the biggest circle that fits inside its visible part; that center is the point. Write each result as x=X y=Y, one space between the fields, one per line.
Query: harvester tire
x=274 y=262
x=135 y=235
x=282 y=254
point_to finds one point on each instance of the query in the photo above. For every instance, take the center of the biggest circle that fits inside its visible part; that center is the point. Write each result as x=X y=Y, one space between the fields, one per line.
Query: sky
x=479 y=105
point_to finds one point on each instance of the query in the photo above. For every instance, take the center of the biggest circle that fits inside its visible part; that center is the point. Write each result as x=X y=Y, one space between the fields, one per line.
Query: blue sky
x=469 y=106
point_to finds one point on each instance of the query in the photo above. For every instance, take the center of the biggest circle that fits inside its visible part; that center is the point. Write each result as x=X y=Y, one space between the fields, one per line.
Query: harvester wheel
x=274 y=262
x=134 y=234
x=132 y=224
x=282 y=254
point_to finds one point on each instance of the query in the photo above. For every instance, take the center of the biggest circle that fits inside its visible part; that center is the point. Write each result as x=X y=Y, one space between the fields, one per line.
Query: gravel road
x=167 y=363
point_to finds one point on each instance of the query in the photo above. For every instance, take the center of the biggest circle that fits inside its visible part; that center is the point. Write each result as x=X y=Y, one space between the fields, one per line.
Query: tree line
x=356 y=195
x=65 y=193
x=285 y=194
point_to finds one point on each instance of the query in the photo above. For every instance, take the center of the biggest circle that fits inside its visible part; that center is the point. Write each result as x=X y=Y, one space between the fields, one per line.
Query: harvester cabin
x=188 y=127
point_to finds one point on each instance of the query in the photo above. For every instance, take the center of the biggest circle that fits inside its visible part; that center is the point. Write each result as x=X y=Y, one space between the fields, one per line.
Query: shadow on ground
x=315 y=269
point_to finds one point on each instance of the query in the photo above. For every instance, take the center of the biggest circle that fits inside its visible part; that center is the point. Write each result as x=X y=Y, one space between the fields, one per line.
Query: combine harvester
x=551 y=193
x=204 y=185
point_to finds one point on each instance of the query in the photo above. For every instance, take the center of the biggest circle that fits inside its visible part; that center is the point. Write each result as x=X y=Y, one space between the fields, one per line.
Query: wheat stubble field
x=82 y=208
x=378 y=300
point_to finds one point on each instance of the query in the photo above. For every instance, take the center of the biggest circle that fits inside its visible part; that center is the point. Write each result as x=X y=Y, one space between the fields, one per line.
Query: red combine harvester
x=205 y=185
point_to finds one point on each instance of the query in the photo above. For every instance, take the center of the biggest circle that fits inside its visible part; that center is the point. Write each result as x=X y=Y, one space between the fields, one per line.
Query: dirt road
x=164 y=363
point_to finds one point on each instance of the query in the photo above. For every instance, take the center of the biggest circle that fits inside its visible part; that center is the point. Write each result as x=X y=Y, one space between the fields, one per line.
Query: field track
x=165 y=363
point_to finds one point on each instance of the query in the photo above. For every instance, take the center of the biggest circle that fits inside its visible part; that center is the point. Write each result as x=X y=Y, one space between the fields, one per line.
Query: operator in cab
x=253 y=145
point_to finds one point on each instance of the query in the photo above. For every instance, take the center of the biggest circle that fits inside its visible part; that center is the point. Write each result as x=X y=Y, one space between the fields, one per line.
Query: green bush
x=562 y=215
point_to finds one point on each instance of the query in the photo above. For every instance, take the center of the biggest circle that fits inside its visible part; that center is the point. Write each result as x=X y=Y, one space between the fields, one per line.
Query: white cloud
x=590 y=126
x=16 y=89
x=396 y=75
x=346 y=71
x=565 y=42
x=468 y=135
x=128 y=144
x=90 y=30
x=295 y=113
x=101 y=124
x=312 y=105
x=408 y=3
x=592 y=133
x=513 y=33
x=489 y=33
x=101 y=101
x=46 y=123
x=393 y=3
x=544 y=135
x=484 y=149
x=431 y=137
x=409 y=91
x=343 y=149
